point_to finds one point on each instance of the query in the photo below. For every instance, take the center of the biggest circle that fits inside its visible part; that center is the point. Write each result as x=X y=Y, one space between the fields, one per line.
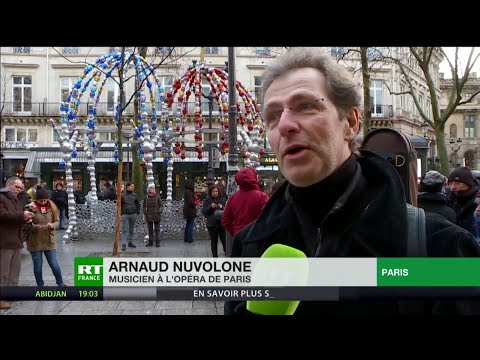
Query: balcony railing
x=381 y=111
x=103 y=109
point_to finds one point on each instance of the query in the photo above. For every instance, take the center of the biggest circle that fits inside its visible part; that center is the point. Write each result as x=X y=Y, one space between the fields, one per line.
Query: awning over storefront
x=32 y=169
x=15 y=154
x=39 y=156
x=52 y=156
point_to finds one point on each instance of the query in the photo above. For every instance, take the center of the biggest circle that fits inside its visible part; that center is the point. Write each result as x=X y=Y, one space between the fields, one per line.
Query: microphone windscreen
x=298 y=275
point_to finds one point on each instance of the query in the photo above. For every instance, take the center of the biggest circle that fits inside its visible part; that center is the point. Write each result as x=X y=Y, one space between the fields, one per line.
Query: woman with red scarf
x=42 y=237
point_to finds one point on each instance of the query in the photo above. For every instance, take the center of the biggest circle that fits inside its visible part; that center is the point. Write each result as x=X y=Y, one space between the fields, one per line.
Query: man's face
x=16 y=187
x=457 y=186
x=131 y=187
x=304 y=128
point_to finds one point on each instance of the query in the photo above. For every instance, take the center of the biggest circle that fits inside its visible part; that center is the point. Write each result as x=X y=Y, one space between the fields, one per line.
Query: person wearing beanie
x=431 y=198
x=463 y=188
x=41 y=239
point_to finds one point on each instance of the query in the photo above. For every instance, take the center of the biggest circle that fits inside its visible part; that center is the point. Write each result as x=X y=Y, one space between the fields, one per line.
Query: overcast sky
x=463 y=55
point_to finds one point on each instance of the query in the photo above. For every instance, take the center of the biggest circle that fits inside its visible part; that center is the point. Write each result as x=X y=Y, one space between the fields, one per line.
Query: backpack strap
x=416 y=247
x=417 y=237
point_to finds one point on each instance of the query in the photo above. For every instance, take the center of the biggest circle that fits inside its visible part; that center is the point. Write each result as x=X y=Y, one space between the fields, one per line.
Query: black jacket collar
x=369 y=218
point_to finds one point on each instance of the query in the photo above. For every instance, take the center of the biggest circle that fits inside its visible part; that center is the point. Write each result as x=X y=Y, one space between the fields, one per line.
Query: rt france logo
x=88 y=271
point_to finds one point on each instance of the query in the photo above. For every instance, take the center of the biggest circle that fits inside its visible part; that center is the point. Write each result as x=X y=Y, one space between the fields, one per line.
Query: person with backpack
x=336 y=201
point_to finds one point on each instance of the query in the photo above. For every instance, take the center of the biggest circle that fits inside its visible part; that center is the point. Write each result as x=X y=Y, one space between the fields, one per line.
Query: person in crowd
x=13 y=219
x=41 y=240
x=212 y=208
x=31 y=191
x=245 y=205
x=2 y=177
x=152 y=208
x=268 y=189
x=190 y=203
x=60 y=198
x=431 y=197
x=463 y=188
x=277 y=186
x=336 y=201
x=24 y=198
x=130 y=212
x=110 y=193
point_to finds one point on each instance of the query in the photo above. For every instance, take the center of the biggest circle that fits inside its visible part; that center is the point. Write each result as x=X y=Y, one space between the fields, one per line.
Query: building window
x=113 y=91
x=258 y=89
x=453 y=131
x=338 y=51
x=108 y=136
x=469 y=124
x=163 y=50
x=262 y=51
x=22 y=93
x=402 y=97
x=376 y=97
x=54 y=136
x=22 y=50
x=211 y=50
x=420 y=102
x=23 y=135
x=66 y=85
x=206 y=90
x=70 y=50
x=166 y=81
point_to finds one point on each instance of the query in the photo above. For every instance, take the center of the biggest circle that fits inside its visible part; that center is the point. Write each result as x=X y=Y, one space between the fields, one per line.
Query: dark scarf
x=318 y=199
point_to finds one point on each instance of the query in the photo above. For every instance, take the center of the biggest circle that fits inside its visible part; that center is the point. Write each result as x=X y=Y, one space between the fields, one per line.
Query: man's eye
x=273 y=117
x=307 y=106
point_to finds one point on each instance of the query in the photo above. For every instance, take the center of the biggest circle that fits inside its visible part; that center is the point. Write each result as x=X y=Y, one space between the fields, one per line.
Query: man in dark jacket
x=334 y=202
x=12 y=219
x=431 y=198
x=130 y=212
x=464 y=187
x=60 y=198
x=190 y=203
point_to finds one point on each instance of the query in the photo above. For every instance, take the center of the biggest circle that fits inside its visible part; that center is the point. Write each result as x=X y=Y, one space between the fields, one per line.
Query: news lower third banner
x=276 y=272
x=306 y=279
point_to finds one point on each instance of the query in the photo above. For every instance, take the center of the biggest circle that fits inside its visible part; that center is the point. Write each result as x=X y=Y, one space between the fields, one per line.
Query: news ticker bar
x=241 y=293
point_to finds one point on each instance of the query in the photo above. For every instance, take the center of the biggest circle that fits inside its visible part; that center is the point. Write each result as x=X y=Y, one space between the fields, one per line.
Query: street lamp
x=232 y=165
x=210 y=172
x=128 y=137
x=455 y=145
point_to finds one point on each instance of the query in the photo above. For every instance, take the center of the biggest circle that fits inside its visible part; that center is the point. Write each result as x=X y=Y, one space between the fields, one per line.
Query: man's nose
x=288 y=122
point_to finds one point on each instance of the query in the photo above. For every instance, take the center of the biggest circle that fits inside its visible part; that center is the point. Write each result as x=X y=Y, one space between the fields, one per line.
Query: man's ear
x=352 y=125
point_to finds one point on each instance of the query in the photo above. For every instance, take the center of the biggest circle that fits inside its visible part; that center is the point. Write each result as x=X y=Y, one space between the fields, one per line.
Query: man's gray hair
x=342 y=89
x=12 y=180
